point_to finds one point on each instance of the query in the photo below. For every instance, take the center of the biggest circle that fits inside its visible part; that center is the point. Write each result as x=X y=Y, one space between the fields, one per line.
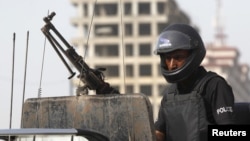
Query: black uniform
x=186 y=111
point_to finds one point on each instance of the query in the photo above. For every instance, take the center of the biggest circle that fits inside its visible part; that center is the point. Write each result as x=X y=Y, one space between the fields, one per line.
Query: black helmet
x=184 y=37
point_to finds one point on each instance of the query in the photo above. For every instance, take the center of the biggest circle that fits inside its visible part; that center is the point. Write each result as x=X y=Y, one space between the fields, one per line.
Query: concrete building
x=121 y=38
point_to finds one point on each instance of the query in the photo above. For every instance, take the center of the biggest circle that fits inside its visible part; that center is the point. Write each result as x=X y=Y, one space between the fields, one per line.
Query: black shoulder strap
x=199 y=87
x=171 y=88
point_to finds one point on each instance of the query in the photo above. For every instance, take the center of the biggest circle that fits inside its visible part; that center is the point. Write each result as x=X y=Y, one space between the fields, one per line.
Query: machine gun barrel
x=93 y=79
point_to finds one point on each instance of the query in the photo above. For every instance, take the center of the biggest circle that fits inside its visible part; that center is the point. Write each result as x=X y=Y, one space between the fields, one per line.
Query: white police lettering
x=224 y=110
x=164 y=42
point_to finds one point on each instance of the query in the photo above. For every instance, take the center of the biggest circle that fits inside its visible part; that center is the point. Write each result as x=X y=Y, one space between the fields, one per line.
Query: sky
x=24 y=18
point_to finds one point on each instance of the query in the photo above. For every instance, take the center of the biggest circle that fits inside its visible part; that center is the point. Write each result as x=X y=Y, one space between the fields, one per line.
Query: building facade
x=121 y=37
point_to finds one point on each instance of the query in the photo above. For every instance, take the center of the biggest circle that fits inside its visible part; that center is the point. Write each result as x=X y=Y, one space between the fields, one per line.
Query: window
x=111 y=70
x=145 y=70
x=129 y=50
x=144 y=8
x=127 y=9
x=106 y=50
x=128 y=29
x=111 y=9
x=146 y=89
x=106 y=30
x=159 y=70
x=144 y=29
x=129 y=70
x=161 y=8
x=85 y=10
x=144 y=49
x=98 y=9
x=161 y=27
x=85 y=29
x=129 y=89
x=106 y=9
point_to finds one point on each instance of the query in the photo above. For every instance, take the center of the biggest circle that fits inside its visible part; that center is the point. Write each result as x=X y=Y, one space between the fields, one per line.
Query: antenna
x=12 y=85
x=219 y=36
x=25 y=72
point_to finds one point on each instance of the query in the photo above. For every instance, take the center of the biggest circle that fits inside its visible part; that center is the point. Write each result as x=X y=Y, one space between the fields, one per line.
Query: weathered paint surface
x=125 y=117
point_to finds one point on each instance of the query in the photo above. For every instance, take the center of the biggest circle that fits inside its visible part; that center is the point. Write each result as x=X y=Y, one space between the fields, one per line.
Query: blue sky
x=24 y=16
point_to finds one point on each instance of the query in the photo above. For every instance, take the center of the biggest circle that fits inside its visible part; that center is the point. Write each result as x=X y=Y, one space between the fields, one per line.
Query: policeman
x=194 y=97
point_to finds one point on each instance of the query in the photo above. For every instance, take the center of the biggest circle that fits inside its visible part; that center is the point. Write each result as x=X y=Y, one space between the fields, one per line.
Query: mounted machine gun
x=93 y=79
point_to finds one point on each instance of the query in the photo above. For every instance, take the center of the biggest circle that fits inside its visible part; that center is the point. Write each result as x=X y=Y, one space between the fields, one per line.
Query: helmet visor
x=172 y=40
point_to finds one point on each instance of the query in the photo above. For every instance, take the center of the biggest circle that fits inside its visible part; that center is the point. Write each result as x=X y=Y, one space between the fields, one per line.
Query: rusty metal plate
x=125 y=117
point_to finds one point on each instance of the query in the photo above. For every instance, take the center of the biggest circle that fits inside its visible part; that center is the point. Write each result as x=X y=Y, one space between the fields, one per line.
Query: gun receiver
x=93 y=79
